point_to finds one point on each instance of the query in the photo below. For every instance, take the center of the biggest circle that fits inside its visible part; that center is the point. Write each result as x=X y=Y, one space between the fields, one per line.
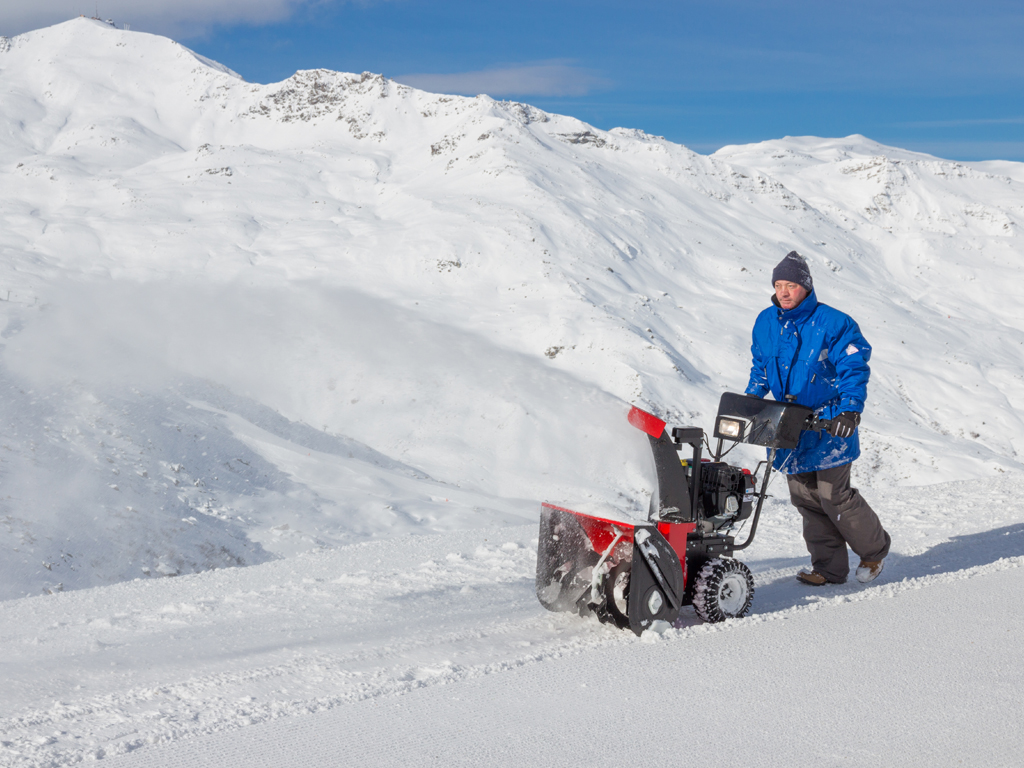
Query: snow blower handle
x=760 y=501
x=814 y=424
x=843 y=425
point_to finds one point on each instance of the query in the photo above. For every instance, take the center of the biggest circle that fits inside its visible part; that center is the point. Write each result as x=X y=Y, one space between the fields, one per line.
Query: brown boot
x=868 y=570
x=813 y=578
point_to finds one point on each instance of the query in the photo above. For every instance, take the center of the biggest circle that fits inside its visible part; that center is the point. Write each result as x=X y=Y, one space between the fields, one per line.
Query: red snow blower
x=632 y=574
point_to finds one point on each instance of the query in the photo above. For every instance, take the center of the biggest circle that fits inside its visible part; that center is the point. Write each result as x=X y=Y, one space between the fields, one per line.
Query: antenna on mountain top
x=98 y=18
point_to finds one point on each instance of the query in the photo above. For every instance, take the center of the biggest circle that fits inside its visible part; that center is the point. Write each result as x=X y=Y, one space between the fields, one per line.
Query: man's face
x=789 y=294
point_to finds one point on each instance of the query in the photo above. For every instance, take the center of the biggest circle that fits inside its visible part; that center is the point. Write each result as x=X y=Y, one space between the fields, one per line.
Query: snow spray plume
x=443 y=399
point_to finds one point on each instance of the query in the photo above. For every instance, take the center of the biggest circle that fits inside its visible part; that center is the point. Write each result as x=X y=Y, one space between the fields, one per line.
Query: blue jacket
x=816 y=354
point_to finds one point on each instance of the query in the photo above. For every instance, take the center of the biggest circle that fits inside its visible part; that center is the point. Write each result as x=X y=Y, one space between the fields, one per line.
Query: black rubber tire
x=723 y=589
x=616 y=593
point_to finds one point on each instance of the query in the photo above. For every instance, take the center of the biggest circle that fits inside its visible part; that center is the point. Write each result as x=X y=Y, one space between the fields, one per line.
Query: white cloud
x=182 y=18
x=543 y=78
x=965 y=122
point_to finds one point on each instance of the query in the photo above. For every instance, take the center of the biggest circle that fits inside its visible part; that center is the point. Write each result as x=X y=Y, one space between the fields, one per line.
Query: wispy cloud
x=542 y=78
x=180 y=18
x=965 y=122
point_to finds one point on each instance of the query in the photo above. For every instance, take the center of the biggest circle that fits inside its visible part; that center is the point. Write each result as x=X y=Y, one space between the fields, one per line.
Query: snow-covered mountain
x=242 y=321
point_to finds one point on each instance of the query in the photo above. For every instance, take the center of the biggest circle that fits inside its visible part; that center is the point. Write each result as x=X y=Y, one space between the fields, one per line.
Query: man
x=814 y=355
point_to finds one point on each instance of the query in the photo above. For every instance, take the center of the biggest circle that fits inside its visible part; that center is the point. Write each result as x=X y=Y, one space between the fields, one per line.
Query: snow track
x=897 y=682
x=134 y=668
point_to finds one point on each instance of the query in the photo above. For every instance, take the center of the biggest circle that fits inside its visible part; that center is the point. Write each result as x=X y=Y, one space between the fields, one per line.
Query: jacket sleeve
x=849 y=354
x=758 y=384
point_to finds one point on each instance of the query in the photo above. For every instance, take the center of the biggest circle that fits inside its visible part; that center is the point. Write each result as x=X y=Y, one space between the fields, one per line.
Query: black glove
x=845 y=424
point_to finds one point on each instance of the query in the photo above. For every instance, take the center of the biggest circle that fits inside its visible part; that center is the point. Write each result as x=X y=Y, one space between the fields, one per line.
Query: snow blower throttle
x=632 y=574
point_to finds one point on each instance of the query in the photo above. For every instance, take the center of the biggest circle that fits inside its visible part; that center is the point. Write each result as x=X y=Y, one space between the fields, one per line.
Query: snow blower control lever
x=632 y=574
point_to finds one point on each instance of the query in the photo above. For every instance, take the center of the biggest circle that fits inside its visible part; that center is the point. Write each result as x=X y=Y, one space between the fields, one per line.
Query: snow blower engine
x=632 y=574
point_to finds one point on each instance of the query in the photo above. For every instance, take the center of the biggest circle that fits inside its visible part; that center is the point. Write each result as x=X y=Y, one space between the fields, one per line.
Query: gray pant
x=836 y=515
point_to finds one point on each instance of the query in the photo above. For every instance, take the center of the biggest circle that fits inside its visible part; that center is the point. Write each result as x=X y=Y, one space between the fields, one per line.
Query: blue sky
x=940 y=76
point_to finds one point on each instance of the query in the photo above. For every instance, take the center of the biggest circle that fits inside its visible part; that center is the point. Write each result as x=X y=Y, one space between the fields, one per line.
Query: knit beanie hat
x=794 y=269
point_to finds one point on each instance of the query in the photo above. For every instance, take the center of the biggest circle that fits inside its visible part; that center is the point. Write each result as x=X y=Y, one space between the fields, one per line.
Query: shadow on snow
x=957 y=554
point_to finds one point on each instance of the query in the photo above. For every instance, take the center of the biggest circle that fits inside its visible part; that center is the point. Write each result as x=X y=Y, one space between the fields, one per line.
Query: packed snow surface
x=350 y=334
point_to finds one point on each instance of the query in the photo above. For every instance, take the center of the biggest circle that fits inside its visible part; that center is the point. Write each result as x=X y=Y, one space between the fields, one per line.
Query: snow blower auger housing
x=632 y=574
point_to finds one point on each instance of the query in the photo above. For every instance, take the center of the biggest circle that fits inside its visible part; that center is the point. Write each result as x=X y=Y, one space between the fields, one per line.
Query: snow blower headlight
x=731 y=428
